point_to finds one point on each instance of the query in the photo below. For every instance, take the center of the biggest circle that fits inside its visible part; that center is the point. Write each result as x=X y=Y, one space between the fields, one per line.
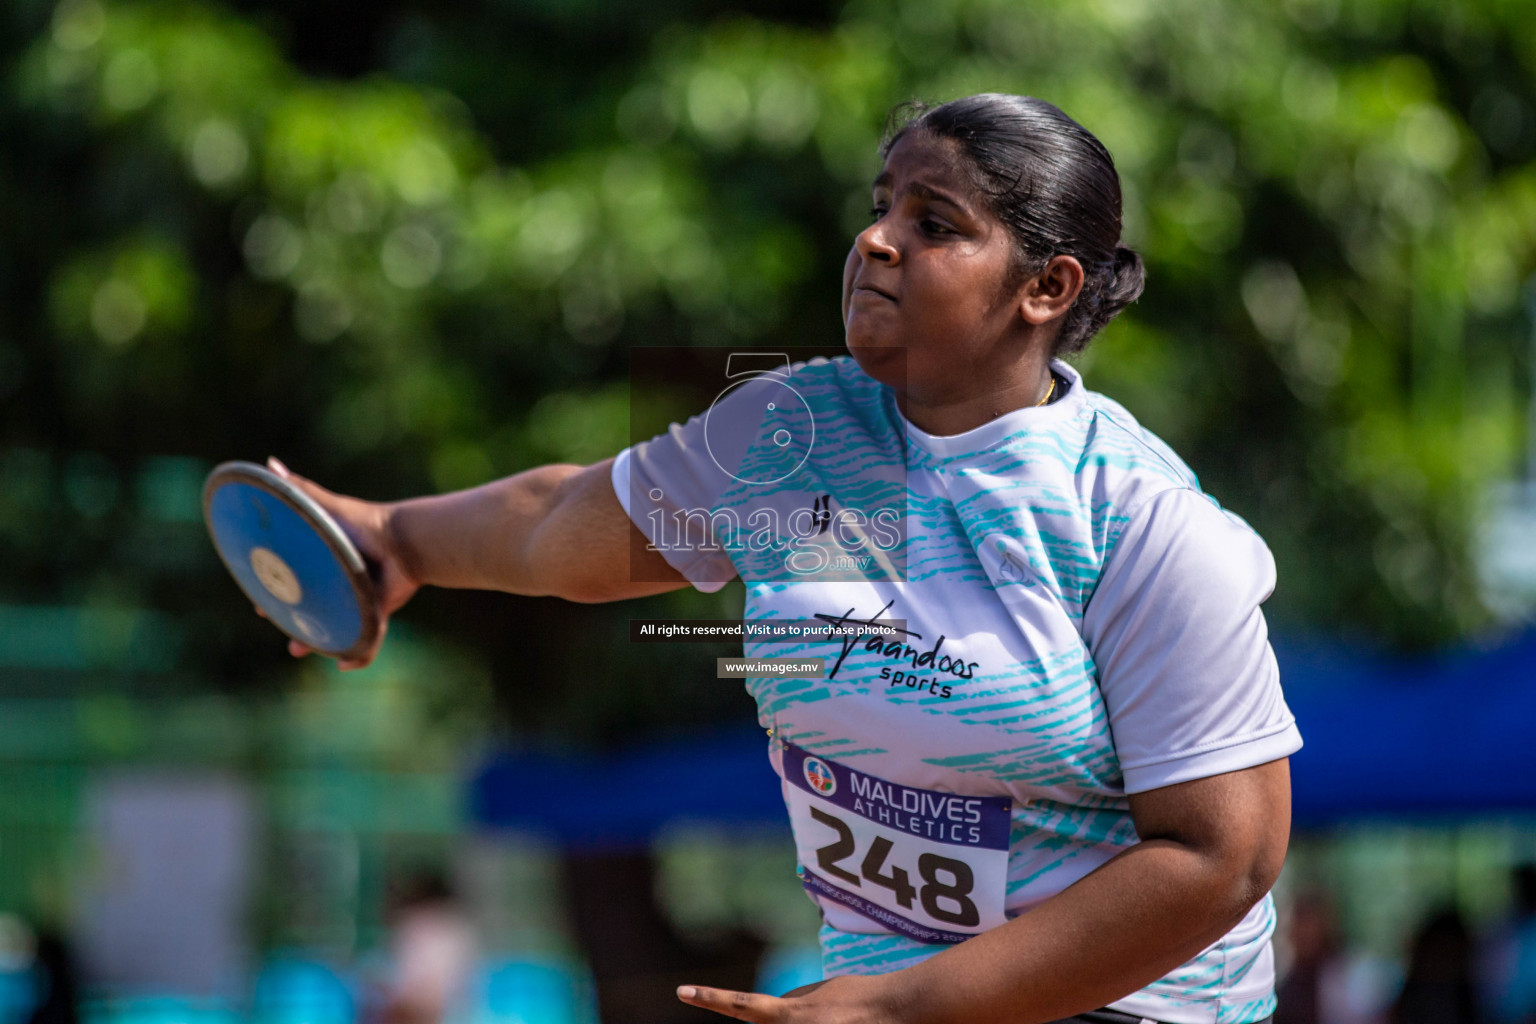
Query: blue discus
x=291 y=559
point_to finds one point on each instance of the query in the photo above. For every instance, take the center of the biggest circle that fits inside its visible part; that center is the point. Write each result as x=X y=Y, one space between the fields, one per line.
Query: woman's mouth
x=872 y=292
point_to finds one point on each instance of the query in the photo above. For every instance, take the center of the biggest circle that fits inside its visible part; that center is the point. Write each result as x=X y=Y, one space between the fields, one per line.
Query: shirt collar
x=994 y=434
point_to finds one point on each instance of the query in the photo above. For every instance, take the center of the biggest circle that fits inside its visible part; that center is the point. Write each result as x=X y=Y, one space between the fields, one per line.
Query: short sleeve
x=671 y=485
x=704 y=564
x=1174 y=626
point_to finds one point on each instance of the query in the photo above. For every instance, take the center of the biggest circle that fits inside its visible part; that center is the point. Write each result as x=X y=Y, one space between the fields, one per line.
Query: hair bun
x=1127 y=280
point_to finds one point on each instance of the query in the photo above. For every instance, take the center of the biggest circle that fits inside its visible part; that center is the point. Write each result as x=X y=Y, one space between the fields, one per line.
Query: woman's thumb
x=276 y=466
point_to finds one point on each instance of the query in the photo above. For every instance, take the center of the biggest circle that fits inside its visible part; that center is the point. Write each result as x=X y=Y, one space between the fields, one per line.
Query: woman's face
x=924 y=305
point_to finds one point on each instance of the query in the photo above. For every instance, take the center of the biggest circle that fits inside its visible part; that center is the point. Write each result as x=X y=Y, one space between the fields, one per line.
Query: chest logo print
x=919 y=661
x=1011 y=568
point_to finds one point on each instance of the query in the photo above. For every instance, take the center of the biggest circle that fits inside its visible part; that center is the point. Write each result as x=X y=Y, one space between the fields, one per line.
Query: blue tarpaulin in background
x=1445 y=735
x=1434 y=736
x=720 y=776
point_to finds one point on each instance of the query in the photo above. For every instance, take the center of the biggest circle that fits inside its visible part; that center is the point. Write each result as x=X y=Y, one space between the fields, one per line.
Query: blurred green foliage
x=416 y=263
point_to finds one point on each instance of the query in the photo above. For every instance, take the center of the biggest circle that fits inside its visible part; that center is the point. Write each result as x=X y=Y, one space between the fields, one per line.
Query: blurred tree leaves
x=424 y=272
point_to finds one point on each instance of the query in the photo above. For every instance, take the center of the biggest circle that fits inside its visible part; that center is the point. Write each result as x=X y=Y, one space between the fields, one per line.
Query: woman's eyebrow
x=922 y=190
x=925 y=191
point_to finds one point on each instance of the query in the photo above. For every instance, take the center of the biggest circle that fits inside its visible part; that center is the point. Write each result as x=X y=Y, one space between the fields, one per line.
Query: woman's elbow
x=1264 y=863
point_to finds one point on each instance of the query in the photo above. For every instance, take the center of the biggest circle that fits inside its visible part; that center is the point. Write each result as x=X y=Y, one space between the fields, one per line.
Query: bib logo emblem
x=819 y=774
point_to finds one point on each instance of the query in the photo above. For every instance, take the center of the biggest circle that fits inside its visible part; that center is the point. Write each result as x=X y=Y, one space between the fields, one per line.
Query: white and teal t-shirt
x=1079 y=622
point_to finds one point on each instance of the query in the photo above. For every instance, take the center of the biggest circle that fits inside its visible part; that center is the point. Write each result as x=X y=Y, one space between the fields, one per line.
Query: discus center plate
x=275 y=575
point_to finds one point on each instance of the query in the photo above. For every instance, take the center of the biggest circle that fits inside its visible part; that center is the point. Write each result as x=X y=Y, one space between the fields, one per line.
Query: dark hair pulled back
x=1052 y=184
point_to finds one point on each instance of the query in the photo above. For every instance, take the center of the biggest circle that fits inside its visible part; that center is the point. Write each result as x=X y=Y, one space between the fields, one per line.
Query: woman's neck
x=944 y=415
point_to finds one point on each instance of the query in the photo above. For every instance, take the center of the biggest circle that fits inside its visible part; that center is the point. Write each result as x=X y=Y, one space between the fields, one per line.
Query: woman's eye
x=933 y=227
x=876 y=212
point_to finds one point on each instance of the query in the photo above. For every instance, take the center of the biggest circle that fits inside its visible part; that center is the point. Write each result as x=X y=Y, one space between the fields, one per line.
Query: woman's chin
x=884 y=363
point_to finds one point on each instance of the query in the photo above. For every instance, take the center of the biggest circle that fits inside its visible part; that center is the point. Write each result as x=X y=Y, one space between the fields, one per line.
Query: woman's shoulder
x=1144 y=479
x=1120 y=452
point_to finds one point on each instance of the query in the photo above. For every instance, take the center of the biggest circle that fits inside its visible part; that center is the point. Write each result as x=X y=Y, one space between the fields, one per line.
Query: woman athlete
x=1058 y=786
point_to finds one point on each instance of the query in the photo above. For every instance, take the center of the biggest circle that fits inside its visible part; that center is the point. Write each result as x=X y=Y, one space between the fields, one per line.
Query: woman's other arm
x=1210 y=850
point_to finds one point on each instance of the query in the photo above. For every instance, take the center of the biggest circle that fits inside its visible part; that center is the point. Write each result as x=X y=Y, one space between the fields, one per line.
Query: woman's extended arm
x=554 y=531
x=1210 y=849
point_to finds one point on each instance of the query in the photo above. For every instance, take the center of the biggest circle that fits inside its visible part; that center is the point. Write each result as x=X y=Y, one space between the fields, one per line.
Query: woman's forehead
x=919 y=152
x=927 y=166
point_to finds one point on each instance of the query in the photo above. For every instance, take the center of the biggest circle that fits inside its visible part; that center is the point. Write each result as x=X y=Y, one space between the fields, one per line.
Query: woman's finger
x=336 y=504
x=295 y=648
x=750 y=1006
x=322 y=496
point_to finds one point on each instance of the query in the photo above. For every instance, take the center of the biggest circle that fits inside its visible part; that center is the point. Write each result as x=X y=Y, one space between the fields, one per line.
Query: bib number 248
x=945 y=893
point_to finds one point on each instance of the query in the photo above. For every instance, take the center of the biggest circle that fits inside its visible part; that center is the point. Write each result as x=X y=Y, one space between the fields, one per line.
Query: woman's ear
x=1051 y=292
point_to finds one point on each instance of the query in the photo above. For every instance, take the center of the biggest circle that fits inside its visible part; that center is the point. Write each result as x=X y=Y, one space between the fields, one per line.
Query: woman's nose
x=872 y=244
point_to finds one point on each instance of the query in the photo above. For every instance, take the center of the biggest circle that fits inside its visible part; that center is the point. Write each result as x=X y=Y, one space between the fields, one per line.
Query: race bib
x=924 y=863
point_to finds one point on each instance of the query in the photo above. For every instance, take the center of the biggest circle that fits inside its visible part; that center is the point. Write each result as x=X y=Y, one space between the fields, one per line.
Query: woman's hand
x=849 y=999
x=368 y=525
